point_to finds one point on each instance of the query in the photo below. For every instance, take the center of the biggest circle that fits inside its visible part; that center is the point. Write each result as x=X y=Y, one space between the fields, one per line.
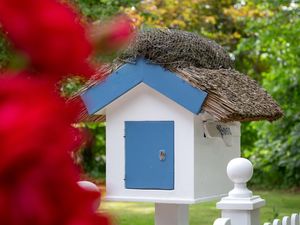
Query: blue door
x=149 y=155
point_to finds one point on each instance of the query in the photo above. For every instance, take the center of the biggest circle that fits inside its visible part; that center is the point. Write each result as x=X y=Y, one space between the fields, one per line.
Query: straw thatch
x=176 y=49
x=204 y=64
x=232 y=96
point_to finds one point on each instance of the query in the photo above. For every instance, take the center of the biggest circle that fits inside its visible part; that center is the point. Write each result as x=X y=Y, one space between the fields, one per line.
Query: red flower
x=49 y=34
x=31 y=113
x=37 y=176
x=113 y=35
x=120 y=32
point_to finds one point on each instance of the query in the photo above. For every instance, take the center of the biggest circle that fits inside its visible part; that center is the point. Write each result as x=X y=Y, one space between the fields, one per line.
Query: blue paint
x=130 y=75
x=172 y=86
x=117 y=84
x=143 y=142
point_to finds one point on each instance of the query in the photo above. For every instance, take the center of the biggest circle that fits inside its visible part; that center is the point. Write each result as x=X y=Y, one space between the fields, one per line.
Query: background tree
x=271 y=53
x=261 y=36
x=263 y=39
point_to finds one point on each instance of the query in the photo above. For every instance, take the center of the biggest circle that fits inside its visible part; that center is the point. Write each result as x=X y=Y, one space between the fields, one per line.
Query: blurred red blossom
x=32 y=114
x=113 y=35
x=37 y=175
x=49 y=34
x=38 y=179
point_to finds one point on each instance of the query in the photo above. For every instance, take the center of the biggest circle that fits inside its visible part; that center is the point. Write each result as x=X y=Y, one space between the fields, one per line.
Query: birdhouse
x=173 y=104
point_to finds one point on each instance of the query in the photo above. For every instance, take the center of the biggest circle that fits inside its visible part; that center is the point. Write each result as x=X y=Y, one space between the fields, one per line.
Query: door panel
x=149 y=155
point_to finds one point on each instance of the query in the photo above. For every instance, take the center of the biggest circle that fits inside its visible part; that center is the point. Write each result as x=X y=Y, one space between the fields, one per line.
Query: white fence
x=287 y=220
x=241 y=207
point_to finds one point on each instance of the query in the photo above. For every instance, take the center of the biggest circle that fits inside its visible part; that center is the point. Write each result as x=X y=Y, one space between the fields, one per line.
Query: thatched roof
x=232 y=96
x=204 y=64
x=177 y=49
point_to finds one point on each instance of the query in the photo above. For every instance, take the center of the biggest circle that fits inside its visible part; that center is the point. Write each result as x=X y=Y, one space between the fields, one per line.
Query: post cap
x=239 y=170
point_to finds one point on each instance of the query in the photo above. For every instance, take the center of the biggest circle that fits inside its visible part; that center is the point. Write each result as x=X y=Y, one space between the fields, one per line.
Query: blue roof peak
x=131 y=74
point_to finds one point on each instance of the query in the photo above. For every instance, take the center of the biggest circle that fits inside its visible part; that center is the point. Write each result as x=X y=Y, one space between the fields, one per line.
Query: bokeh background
x=262 y=38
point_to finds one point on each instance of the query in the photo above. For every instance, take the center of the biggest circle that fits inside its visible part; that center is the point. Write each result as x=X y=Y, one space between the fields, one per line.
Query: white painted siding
x=145 y=104
x=200 y=163
x=211 y=159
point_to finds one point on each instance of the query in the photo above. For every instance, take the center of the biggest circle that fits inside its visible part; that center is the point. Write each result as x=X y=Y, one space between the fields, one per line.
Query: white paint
x=240 y=171
x=286 y=220
x=167 y=199
x=222 y=221
x=211 y=158
x=200 y=163
x=240 y=206
x=294 y=219
x=145 y=104
x=276 y=222
x=171 y=214
x=242 y=217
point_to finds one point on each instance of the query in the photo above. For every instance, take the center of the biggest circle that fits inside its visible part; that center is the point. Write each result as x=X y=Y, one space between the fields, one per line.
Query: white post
x=171 y=214
x=241 y=207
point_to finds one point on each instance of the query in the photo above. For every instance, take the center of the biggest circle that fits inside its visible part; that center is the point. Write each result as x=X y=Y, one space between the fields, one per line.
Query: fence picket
x=286 y=220
x=295 y=219
x=276 y=222
x=222 y=221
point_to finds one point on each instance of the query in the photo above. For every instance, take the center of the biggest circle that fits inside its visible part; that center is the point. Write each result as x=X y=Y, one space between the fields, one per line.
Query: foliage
x=271 y=52
x=70 y=85
x=101 y=9
x=93 y=154
x=262 y=37
x=5 y=53
x=222 y=20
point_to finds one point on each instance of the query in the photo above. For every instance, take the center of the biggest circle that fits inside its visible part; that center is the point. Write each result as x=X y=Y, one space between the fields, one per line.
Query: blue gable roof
x=155 y=76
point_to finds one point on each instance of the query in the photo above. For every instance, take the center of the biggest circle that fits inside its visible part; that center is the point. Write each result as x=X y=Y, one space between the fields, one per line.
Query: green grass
x=278 y=205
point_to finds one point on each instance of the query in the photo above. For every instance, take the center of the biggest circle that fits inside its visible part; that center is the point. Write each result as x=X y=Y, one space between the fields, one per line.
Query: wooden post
x=241 y=207
x=171 y=214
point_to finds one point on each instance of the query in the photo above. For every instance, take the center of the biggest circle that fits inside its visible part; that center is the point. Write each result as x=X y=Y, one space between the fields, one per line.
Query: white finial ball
x=239 y=170
x=89 y=186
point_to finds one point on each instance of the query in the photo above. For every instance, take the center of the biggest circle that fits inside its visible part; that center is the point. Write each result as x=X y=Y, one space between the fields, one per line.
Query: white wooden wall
x=211 y=159
x=144 y=103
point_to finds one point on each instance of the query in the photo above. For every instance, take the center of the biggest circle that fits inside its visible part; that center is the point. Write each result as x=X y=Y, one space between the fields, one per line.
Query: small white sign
x=219 y=130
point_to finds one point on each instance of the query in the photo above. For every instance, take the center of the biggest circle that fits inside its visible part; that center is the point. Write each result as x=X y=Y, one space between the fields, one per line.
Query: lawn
x=278 y=205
